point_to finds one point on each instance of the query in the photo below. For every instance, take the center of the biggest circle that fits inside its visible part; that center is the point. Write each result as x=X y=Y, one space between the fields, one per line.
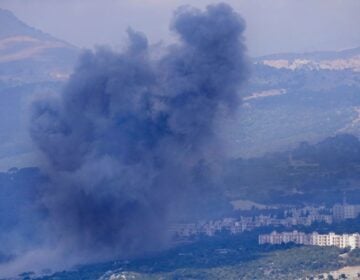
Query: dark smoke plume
x=131 y=143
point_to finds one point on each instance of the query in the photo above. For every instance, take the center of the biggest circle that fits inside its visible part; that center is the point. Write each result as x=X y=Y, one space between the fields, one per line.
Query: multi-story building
x=338 y=240
x=331 y=239
x=285 y=237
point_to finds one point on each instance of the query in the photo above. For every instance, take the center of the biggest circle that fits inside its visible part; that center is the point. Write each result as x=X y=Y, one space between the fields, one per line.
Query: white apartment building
x=338 y=240
x=285 y=237
x=330 y=239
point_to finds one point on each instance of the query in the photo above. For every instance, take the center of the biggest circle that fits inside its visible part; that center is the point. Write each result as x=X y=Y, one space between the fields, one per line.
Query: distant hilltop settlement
x=351 y=241
x=286 y=217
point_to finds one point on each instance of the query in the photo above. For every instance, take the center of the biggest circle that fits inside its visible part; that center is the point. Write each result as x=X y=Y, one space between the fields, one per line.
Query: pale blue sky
x=273 y=25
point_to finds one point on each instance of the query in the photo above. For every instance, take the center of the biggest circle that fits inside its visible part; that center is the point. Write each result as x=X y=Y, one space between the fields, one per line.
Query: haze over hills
x=31 y=63
x=29 y=55
x=297 y=97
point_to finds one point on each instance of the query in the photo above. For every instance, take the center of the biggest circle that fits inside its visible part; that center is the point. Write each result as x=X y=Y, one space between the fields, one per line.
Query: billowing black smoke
x=131 y=143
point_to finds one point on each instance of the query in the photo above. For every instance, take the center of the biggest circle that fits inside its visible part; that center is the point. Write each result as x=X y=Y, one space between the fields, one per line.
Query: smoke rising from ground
x=131 y=143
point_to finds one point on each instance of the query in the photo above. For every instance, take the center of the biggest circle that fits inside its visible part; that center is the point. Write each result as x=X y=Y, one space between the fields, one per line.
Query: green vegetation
x=317 y=173
x=223 y=257
x=282 y=264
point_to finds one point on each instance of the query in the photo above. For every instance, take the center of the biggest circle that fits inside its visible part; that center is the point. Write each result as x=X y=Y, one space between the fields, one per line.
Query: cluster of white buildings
x=339 y=212
x=345 y=211
x=242 y=224
x=331 y=239
x=246 y=223
x=305 y=216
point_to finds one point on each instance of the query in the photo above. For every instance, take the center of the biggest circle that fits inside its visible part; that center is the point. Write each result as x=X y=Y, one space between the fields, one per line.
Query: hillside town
x=286 y=217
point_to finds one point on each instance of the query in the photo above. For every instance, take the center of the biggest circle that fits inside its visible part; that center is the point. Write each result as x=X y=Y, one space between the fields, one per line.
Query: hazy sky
x=273 y=25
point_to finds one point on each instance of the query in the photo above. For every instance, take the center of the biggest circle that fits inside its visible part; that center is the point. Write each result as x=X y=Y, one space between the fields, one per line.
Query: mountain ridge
x=13 y=26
